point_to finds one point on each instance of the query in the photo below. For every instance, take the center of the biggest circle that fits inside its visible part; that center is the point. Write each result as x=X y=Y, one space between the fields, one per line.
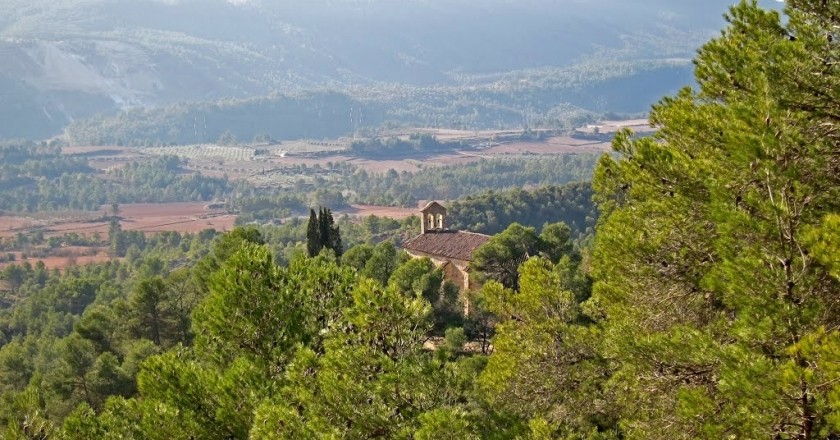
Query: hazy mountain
x=69 y=59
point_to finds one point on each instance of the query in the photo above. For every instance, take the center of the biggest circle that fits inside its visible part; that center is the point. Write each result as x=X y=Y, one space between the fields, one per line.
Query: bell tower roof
x=433 y=206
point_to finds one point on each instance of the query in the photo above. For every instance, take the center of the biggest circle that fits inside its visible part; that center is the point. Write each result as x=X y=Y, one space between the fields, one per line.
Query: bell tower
x=432 y=218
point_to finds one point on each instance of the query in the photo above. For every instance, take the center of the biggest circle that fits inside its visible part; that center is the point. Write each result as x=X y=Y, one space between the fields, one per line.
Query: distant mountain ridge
x=71 y=59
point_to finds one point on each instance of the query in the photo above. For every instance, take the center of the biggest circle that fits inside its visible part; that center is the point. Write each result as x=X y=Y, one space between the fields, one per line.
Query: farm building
x=448 y=249
x=607 y=130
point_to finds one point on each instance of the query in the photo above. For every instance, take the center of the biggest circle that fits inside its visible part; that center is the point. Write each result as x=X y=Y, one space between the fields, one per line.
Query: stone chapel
x=448 y=249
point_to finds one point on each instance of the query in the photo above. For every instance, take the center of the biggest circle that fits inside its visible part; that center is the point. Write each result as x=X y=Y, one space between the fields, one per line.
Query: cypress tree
x=332 y=239
x=324 y=222
x=313 y=235
x=322 y=232
x=335 y=240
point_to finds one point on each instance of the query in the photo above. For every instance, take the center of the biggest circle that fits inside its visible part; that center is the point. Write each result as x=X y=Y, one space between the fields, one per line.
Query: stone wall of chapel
x=455 y=272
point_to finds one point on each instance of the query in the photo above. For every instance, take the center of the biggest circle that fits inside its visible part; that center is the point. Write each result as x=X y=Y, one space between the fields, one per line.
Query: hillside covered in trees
x=552 y=98
x=318 y=68
x=704 y=306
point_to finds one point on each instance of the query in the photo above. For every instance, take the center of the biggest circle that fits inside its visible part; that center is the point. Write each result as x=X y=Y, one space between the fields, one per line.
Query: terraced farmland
x=200 y=152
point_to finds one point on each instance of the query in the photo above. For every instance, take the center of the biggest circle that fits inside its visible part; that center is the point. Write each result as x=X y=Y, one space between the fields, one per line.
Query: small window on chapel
x=431 y=221
x=440 y=221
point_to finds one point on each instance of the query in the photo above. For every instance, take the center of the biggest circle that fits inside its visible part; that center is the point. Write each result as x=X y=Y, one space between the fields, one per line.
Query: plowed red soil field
x=146 y=217
x=379 y=211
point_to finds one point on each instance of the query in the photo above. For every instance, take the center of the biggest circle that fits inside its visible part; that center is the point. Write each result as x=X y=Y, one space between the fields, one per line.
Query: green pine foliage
x=501 y=256
x=710 y=262
x=308 y=349
x=546 y=367
x=490 y=212
x=704 y=307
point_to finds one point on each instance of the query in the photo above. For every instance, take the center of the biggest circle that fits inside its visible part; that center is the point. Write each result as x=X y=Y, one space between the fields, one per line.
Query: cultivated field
x=153 y=217
x=146 y=217
x=278 y=165
x=287 y=163
x=81 y=258
x=551 y=146
x=149 y=218
x=361 y=211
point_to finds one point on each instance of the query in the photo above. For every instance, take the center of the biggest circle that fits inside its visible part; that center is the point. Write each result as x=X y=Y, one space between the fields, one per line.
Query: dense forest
x=454 y=182
x=41 y=178
x=704 y=306
x=490 y=212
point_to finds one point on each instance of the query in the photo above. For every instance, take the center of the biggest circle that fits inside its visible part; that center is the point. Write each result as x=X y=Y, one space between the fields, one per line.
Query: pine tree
x=117 y=238
x=546 y=366
x=372 y=380
x=720 y=318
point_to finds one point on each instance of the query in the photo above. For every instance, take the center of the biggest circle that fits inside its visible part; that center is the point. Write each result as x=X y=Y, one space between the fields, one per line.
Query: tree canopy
x=706 y=306
x=720 y=310
x=499 y=259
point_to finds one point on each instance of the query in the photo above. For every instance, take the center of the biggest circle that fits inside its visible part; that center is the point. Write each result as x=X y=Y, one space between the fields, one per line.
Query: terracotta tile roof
x=458 y=245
